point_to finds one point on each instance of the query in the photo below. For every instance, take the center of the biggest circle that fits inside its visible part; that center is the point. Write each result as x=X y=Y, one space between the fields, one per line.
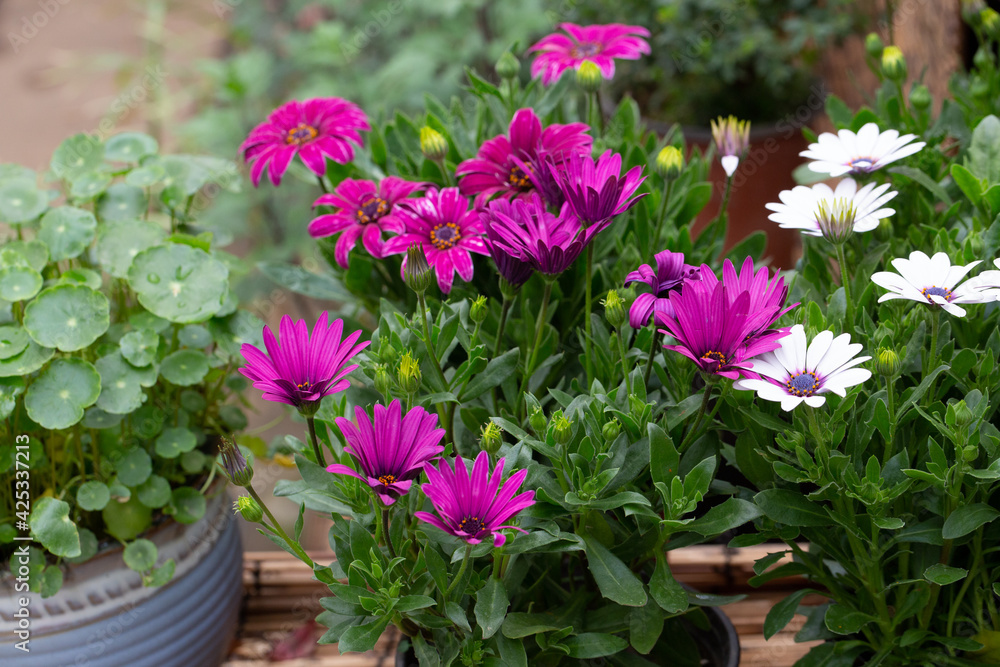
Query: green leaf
x=121 y=384
x=67 y=231
x=697 y=197
x=51 y=581
x=791 y=508
x=158 y=576
x=126 y=520
x=19 y=283
x=297 y=279
x=21 y=202
x=665 y=590
x=614 y=578
x=27 y=361
x=645 y=625
x=185 y=367
x=967 y=183
x=34 y=252
x=67 y=317
x=154 y=493
x=120 y=203
x=129 y=147
x=588 y=645
x=984 y=151
x=361 y=638
x=119 y=243
x=77 y=155
x=781 y=613
x=88 y=546
x=57 y=399
x=923 y=179
x=194 y=335
x=966 y=519
x=491 y=606
x=175 y=441
x=10 y=389
x=730 y=514
x=139 y=347
x=92 y=495
x=134 y=467
x=88 y=186
x=188 y=504
x=664 y=460
x=496 y=371
x=942 y=574
x=140 y=555
x=51 y=526
x=843 y=620
x=144 y=177
x=179 y=283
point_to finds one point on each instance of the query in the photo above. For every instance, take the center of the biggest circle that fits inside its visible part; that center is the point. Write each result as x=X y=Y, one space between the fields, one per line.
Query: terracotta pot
x=104 y=617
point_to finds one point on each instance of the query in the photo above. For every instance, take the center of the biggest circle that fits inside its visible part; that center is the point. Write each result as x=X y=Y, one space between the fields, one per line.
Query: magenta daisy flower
x=525 y=229
x=317 y=129
x=301 y=370
x=600 y=44
x=595 y=190
x=365 y=211
x=670 y=274
x=505 y=164
x=447 y=230
x=474 y=508
x=767 y=295
x=392 y=451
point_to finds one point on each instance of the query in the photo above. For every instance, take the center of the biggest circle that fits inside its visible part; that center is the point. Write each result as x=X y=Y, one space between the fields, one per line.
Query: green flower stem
x=652 y=353
x=588 y=362
x=385 y=532
x=594 y=114
x=461 y=571
x=621 y=351
x=504 y=311
x=846 y=283
x=689 y=438
x=276 y=527
x=322 y=184
x=721 y=220
x=448 y=182
x=539 y=328
x=431 y=352
x=660 y=217
x=311 y=423
x=935 y=316
x=890 y=392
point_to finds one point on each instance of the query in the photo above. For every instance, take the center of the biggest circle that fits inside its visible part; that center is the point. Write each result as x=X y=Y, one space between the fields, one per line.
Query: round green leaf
x=154 y=492
x=18 y=283
x=194 y=335
x=67 y=317
x=15 y=172
x=34 y=253
x=121 y=202
x=21 y=202
x=129 y=147
x=58 y=397
x=126 y=520
x=77 y=155
x=193 y=401
x=185 y=367
x=67 y=231
x=122 y=383
x=88 y=547
x=232 y=332
x=94 y=417
x=139 y=347
x=85 y=277
x=28 y=361
x=92 y=495
x=50 y=582
x=147 y=320
x=119 y=243
x=140 y=555
x=188 y=504
x=175 y=441
x=178 y=282
x=10 y=389
x=144 y=177
x=87 y=186
x=13 y=340
x=51 y=526
x=233 y=417
x=119 y=492
x=134 y=468
x=193 y=461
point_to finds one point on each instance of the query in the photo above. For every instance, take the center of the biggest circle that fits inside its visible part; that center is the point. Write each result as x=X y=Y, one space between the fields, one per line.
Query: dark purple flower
x=392 y=451
x=314 y=130
x=526 y=230
x=599 y=44
x=301 y=370
x=366 y=210
x=670 y=274
x=474 y=508
x=595 y=190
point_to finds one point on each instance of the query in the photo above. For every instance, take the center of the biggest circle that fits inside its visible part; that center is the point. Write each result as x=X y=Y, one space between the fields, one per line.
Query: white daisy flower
x=796 y=373
x=987 y=283
x=861 y=153
x=931 y=280
x=809 y=209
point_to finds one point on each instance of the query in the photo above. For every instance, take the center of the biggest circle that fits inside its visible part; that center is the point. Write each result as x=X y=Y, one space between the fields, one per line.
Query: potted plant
x=119 y=334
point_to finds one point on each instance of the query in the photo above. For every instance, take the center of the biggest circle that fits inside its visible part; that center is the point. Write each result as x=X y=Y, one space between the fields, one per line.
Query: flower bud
x=893 y=63
x=562 y=428
x=611 y=430
x=887 y=362
x=974 y=245
x=508 y=66
x=479 y=310
x=970 y=453
x=417 y=272
x=732 y=138
x=538 y=421
x=409 y=373
x=991 y=22
x=836 y=219
x=972 y=12
x=432 y=143
x=920 y=97
x=669 y=162
x=387 y=354
x=490 y=438
x=383 y=381
x=874 y=45
x=959 y=415
x=248 y=509
x=237 y=469
x=614 y=309
x=588 y=76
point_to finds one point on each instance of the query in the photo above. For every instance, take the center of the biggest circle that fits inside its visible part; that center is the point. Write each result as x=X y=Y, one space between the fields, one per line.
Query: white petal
x=815 y=401
x=817 y=350
x=729 y=163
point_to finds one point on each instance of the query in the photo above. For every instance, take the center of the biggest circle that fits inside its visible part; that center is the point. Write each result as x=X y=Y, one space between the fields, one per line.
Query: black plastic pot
x=719 y=645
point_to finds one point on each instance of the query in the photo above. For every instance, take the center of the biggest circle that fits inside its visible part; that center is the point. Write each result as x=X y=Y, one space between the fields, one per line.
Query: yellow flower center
x=387 y=479
x=445 y=236
x=301 y=134
x=372 y=210
x=471 y=525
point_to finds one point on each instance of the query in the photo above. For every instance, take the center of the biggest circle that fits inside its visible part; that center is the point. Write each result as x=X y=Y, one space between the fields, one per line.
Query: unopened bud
x=387 y=354
x=432 y=143
x=538 y=421
x=974 y=244
x=972 y=12
x=249 y=509
x=836 y=219
x=893 y=63
x=970 y=453
x=920 y=97
x=237 y=469
x=874 y=46
x=588 y=77
x=479 y=310
x=887 y=362
x=562 y=428
x=409 y=375
x=959 y=415
x=991 y=22
x=490 y=438
x=417 y=272
x=614 y=309
x=669 y=162
x=611 y=430
x=508 y=67
x=383 y=381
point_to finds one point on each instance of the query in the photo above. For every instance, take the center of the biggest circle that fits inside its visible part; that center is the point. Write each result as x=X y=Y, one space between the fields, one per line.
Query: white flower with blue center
x=934 y=281
x=803 y=208
x=861 y=153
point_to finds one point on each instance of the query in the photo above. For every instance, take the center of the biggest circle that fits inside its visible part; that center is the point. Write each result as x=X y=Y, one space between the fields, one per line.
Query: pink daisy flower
x=600 y=44
x=320 y=128
x=511 y=164
x=366 y=211
x=447 y=230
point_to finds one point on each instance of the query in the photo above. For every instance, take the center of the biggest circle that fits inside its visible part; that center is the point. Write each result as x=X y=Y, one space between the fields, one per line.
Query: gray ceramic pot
x=104 y=617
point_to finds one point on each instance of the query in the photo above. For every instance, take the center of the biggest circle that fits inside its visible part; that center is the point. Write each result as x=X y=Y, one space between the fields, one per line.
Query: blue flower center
x=585 y=49
x=301 y=134
x=372 y=210
x=936 y=291
x=861 y=164
x=471 y=525
x=803 y=384
x=445 y=236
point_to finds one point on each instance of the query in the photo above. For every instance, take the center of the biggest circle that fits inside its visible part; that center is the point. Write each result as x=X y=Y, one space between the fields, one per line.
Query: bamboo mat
x=282 y=600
